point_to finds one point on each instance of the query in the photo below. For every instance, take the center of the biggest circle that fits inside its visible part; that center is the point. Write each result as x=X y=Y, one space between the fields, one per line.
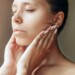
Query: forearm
x=7 y=70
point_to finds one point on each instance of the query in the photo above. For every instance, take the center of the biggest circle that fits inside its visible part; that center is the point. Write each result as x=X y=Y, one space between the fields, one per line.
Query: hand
x=37 y=51
x=12 y=54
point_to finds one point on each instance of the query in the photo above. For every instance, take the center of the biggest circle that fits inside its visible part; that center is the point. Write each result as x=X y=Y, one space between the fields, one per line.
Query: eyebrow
x=25 y=3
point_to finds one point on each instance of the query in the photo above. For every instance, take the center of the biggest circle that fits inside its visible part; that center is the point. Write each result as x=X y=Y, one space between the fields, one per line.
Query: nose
x=17 y=19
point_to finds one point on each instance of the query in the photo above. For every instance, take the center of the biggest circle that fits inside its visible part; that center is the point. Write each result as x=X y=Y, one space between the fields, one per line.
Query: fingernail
x=46 y=32
x=55 y=31
x=53 y=27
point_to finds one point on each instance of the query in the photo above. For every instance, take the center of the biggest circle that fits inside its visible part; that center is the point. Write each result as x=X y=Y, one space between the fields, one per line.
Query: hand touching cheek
x=37 y=51
x=12 y=54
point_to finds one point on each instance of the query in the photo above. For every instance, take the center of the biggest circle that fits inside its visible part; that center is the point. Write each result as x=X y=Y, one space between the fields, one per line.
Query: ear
x=58 y=19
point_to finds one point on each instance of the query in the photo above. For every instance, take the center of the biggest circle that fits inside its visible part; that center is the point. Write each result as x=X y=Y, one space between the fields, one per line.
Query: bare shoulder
x=70 y=71
x=56 y=70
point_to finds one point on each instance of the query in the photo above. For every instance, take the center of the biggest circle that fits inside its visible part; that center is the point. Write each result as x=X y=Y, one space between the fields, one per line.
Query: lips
x=18 y=31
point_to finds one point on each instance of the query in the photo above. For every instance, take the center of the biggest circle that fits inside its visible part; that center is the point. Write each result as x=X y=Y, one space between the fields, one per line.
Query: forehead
x=29 y=1
x=25 y=1
x=41 y=3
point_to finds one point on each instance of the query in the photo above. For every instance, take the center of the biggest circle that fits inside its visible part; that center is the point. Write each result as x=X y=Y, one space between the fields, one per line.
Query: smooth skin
x=11 y=57
x=17 y=58
x=31 y=53
x=39 y=49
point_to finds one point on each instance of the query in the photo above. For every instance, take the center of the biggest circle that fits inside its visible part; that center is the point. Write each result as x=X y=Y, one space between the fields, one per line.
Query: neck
x=55 y=55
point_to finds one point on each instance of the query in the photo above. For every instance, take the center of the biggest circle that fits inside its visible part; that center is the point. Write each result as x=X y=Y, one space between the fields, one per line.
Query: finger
x=43 y=38
x=20 y=51
x=46 y=34
x=52 y=39
x=46 y=41
x=12 y=40
x=37 y=39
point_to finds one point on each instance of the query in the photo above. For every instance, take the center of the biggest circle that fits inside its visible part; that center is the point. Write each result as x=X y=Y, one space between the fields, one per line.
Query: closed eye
x=13 y=12
x=30 y=10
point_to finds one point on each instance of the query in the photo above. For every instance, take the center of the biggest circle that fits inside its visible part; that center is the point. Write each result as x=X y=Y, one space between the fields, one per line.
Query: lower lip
x=19 y=32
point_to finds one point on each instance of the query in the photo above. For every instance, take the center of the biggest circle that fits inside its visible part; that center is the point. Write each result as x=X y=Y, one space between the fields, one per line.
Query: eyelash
x=28 y=10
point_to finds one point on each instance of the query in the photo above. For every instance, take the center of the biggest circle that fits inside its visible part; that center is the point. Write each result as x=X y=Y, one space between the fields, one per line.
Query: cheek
x=36 y=22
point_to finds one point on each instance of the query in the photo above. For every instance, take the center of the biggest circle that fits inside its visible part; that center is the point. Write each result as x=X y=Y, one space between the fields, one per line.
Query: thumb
x=12 y=40
x=11 y=43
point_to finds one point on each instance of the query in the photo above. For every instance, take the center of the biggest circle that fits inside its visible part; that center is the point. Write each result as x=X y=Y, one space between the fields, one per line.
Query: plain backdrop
x=66 y=38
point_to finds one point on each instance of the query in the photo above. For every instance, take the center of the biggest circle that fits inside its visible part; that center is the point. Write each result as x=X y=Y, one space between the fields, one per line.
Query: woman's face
x=29 y=18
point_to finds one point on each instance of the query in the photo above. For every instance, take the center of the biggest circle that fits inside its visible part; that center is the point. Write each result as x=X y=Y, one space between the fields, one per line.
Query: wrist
x=7 y=69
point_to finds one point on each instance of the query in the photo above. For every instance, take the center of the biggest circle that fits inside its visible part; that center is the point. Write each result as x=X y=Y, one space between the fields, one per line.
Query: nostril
x=18 y=20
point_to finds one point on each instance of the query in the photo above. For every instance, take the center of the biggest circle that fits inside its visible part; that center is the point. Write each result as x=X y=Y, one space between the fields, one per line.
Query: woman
x=33 y=47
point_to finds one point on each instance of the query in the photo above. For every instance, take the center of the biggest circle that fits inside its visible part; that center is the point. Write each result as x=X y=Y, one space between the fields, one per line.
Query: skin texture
x=33 y=48
x=31 y=18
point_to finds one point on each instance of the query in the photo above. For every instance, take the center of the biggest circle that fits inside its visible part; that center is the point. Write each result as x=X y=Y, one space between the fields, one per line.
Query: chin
x=22 y=42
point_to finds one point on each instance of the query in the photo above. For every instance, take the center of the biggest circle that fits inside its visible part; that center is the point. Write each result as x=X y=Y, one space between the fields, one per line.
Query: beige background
x=66 y=39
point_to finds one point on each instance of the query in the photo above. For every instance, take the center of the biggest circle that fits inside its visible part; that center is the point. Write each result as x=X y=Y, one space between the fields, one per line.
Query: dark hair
x=57 y=6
